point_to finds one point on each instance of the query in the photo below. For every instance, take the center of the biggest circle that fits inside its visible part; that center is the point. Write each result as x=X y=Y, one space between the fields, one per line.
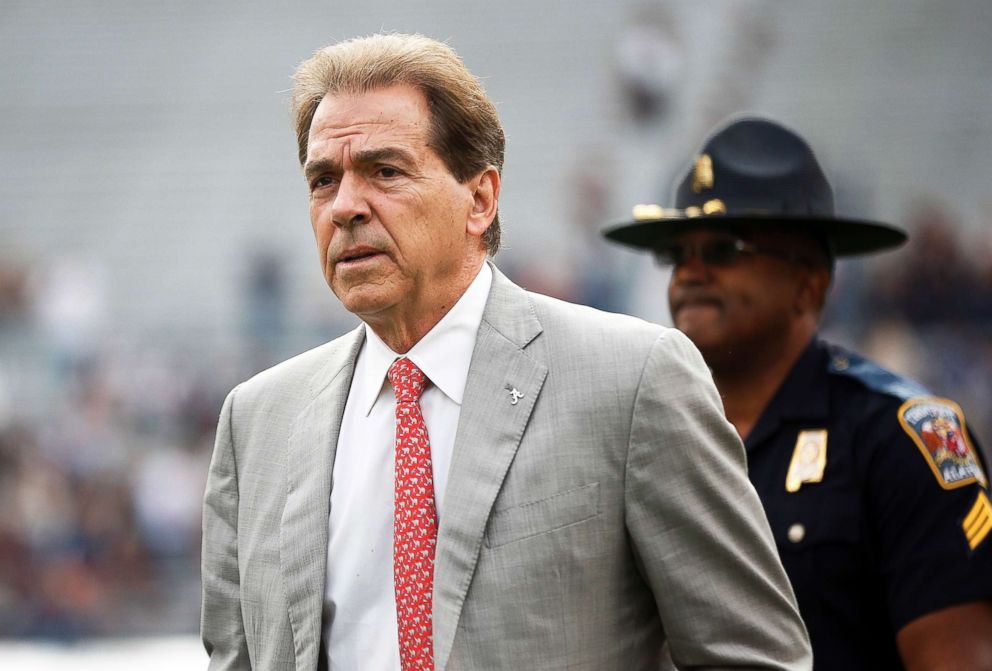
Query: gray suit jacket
x=605 y=513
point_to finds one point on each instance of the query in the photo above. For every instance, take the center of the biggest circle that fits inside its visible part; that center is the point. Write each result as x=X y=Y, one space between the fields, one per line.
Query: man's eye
x=722 y=251
x=388 y=172
x=322 y=182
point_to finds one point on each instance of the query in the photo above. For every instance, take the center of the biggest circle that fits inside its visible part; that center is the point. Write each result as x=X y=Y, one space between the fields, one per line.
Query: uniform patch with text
x=937 y=427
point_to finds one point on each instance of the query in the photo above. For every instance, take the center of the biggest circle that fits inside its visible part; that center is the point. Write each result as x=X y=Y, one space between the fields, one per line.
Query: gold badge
x=702 y=174
x=809 y=458
x=648 y=212
x=714 y=206
x=978 y=522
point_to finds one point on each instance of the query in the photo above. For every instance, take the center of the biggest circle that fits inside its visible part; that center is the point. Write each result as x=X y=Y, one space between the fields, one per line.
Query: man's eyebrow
x=319 y=166
x=380 y=154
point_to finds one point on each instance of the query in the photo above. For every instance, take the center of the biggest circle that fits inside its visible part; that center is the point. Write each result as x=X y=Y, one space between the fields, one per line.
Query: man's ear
x=485 y=199
x=813 y=290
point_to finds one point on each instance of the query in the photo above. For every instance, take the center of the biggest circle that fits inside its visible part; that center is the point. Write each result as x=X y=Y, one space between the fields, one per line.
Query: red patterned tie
x=414 y=521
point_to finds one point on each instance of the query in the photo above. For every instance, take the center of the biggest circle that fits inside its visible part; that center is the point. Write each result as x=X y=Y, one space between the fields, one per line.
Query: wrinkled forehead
x=392 y=117
x=400 y=106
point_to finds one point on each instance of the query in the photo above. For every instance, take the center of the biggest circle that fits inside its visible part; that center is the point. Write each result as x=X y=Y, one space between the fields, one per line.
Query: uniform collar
x=444 y=354
x=803 y=395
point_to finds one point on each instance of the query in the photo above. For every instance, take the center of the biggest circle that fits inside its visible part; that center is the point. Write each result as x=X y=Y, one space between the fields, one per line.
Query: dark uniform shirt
x=888 y=517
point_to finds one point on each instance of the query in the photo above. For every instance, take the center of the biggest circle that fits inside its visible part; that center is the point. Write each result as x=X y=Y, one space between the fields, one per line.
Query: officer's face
x=735 y=297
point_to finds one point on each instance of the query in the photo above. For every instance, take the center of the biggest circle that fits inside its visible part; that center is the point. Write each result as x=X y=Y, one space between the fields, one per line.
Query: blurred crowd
x=103 y=458
x=100 y=488
x=926 y=310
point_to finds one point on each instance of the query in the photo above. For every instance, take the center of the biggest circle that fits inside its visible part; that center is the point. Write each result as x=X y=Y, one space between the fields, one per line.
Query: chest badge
x=937 y=427
x=809 y=459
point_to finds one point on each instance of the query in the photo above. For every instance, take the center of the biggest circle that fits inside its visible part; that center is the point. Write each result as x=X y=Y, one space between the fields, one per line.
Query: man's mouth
x=695 y=302
x=357 y=255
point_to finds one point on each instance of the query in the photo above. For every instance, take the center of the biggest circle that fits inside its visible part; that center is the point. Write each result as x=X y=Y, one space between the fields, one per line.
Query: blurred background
x=155 y=247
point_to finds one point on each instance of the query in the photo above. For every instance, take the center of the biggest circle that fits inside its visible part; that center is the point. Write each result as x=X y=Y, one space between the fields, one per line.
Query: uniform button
x=797 y=532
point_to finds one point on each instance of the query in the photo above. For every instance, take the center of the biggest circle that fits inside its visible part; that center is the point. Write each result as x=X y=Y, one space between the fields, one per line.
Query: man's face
x=388 y=216
x=733 y=310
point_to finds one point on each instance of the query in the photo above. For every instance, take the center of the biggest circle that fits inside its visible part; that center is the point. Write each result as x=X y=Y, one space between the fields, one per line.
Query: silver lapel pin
x=514 y=394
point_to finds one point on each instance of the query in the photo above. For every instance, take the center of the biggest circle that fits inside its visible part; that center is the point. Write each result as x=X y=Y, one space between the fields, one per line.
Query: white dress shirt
x=360 y=631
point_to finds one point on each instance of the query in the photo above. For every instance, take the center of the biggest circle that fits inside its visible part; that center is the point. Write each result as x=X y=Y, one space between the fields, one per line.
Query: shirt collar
x=803 y=395
x=444 y=354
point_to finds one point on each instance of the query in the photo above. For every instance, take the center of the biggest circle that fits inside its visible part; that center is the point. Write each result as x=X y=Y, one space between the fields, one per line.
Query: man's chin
x=364 y=300
x=704 y=335
x=697 y=322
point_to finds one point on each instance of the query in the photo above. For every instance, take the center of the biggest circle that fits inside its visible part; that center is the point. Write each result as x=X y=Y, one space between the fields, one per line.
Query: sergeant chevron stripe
x=978 y=523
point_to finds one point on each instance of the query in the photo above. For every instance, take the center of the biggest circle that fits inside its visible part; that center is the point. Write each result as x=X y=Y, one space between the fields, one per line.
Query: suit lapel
x=309 y=463
x=490 y=428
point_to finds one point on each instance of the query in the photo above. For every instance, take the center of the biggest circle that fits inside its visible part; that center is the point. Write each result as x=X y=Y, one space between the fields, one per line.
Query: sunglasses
x=718 y=252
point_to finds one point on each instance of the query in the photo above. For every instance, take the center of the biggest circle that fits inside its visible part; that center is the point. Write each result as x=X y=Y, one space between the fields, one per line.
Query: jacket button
x=796 y=533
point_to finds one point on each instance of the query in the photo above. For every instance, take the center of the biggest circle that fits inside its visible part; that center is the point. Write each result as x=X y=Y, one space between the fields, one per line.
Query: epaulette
x=872 y=376
x=935 y=425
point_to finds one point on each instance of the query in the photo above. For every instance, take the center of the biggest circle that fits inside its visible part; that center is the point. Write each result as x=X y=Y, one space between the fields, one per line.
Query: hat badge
x=702 y=174
x=769 y=180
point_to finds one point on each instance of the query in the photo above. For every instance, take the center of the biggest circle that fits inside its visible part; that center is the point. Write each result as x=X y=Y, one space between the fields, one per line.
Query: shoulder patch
x=871 y=375
x=937 y=427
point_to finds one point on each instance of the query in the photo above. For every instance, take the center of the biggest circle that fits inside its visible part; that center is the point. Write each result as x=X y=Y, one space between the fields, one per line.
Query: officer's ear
x=814 y=284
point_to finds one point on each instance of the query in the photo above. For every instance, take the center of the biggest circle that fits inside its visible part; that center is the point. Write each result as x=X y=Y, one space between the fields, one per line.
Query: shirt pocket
x=821 y=545
x=825 y=522
x=535 y=518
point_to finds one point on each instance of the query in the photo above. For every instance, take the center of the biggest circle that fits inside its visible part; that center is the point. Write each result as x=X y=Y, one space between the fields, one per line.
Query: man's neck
x=400 y=335
x=401 y=331
x=746 y=390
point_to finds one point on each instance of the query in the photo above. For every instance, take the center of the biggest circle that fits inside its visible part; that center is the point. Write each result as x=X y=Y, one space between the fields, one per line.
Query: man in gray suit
x=477 y=477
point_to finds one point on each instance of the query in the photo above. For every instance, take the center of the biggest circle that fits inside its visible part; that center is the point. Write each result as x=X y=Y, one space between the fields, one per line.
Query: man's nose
x=351 y=205
x=692 y=270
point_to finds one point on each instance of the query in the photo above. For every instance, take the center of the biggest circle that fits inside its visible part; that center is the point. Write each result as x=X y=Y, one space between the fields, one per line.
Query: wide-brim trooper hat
x=755 y=174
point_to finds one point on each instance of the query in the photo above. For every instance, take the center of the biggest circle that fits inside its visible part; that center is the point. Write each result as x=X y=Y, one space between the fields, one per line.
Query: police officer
x=874 y=488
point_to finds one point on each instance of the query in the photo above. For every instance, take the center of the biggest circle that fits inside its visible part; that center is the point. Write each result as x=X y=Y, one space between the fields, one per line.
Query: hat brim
x=847 y=237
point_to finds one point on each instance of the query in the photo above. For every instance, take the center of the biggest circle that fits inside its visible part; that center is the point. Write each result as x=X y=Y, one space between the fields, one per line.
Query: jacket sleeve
x=221 y=624
x=698 y=529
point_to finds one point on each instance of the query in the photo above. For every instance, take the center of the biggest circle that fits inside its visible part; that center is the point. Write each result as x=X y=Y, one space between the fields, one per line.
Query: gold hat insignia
x=651 y=211
x=702 y=174
x=714 y=206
